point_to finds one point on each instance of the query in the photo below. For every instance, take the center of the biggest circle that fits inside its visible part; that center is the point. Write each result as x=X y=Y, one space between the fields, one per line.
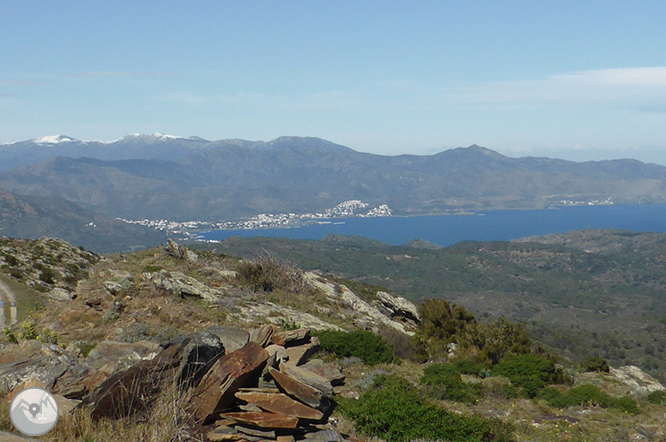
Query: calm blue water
x=501 y=225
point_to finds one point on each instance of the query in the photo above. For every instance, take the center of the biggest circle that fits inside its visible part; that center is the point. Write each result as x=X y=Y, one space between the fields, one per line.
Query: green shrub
x=367 y=346
x=11 y=260
x=47 y=275
x=151 y=269
x=444 y=382
x=657 y=397
x=10 y=336
x=110 y=316
x=593 y=363
x=588 y=395
x=16 y=273
x=530 y=372
x=441 y=323
x=471 y=367
x=86 y=347
x=394 y=410
x=28 y=332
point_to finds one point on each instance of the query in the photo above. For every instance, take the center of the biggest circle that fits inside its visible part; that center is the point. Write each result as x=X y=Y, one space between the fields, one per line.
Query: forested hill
x=597 y=292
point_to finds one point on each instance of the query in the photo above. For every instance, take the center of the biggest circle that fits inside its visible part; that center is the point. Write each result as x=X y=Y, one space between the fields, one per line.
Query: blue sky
x=568 y=79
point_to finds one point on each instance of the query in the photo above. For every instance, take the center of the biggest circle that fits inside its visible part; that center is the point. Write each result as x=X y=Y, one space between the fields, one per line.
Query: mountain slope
x=232 y=179
x=31 y=217
x=596 y=292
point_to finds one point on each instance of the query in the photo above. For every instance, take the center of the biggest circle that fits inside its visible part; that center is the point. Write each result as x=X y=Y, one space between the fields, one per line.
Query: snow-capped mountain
x=54 y=139
x=154 y=146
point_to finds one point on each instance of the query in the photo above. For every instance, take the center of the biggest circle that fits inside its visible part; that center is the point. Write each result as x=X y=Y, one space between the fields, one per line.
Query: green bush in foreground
x=444 y=382
x=367 y=346
x=394 y=410
x=530 y=372
x=588 y=395
x=657 y=397
x=595 y=364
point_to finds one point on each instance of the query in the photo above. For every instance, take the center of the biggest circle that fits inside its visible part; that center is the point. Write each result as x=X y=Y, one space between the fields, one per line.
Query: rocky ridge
x=244 y=385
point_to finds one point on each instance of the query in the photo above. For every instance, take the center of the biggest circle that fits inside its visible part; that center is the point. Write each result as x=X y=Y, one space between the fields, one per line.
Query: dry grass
x=167 y=421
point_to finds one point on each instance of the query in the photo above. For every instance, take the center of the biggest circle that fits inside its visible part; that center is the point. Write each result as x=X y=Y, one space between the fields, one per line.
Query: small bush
x=28 y=332
x=592 y=364
x=10 y=336
x=657 y=397
x=394 y=410
x=151 y=269
x=404 y=347
x=110 y=316
x=11 y=260
x=531 y=372
x=16 y=273
x=47 y=275
x=138 y=331
x=86 y=347
x=588 y=395
x=444 y=382
x=471 y=367
x=367 y=346
x=266 y=274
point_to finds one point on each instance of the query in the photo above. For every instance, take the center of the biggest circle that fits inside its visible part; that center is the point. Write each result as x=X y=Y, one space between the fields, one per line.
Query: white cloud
x=641 y=89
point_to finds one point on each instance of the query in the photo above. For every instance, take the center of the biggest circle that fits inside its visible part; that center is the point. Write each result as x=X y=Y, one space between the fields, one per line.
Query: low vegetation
x=394 y=410
x=365 y=345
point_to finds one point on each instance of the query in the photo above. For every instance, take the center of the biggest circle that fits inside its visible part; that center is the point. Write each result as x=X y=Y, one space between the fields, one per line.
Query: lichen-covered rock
x=183 y=285
x=641 y=383
x=33 y=359
x=398 y=308
x=364 y=313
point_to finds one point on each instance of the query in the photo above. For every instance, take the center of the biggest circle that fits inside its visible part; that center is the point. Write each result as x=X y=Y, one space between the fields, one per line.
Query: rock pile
x=268 y=390
x=244 y=386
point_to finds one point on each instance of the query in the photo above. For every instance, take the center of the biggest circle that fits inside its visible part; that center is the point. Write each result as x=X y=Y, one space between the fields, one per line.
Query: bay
x=499 y=225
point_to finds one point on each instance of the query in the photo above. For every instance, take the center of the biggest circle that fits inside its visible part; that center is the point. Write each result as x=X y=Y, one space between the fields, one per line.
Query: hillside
x=30 y=217
x=171 y=326
x=228 y=180
x=595 y=292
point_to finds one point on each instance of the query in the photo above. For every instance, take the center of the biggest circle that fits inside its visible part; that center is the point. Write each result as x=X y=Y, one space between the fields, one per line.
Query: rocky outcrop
x=183 y=285
x=117 y=282
x=180 y=252
x=363 y=313
x=33 y=359
x=216 y=390
x=265 y=389
x=640 y=383
x=277 y=314
x=398 y=309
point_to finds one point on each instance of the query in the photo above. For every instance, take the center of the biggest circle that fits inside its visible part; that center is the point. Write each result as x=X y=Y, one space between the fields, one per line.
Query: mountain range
x=29 y=216
x=159 y=176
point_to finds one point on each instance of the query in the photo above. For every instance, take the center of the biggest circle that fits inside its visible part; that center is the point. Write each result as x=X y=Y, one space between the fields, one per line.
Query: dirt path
x=9 y=301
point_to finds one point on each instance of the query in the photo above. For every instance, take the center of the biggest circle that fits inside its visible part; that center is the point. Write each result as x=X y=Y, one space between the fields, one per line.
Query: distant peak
x=54 y=139
x=154 y=136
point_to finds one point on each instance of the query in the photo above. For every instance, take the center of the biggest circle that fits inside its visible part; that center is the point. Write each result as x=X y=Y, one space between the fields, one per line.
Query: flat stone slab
x=328 y=371
x=291 y=338
x=264 y=420
x=232 y=338
x=306 y=377
x=262 y=335
x=281 y=404
x=215 y=392
x=303 y=392
x=223 y=432
x=299 y=355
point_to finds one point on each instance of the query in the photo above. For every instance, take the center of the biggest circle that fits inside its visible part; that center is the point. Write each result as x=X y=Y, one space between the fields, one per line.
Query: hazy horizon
x=565 y=80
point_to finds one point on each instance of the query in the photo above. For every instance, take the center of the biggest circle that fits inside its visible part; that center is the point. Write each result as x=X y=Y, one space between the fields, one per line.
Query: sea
x=495 y=225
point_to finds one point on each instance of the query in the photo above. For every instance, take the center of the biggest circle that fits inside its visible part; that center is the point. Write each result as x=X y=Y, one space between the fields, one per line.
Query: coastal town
x=346 y=209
